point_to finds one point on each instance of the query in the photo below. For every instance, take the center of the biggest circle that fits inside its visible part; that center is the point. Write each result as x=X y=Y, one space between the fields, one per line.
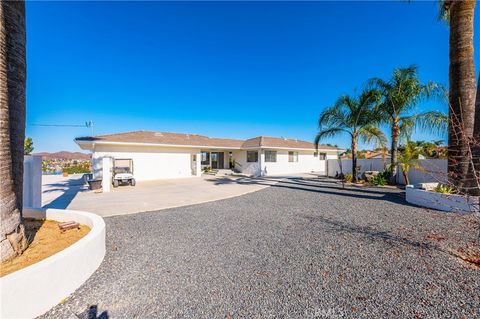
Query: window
x=270 y=156
x=293 y=156
x=205 y=158
x=323 y=156
x=252 y=156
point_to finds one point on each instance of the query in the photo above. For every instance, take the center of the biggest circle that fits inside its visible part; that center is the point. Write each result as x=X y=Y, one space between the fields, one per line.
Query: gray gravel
x=303 y=248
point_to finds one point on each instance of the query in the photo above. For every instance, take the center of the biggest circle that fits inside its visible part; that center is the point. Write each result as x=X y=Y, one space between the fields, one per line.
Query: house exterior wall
x=149 y=162
x=160 y=162
x=307 y=163
x=243 y=166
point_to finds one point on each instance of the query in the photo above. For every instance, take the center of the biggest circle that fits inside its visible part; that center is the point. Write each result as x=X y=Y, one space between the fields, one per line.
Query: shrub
x=348 y=178
x=445 y=189
x=386 y=174
x=379 y=180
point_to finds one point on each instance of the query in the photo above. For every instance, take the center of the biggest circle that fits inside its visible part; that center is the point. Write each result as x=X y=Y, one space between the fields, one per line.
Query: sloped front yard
x=300 y=248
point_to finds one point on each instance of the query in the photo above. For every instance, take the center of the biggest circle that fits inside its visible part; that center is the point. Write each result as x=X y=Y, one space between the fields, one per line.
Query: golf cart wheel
x=132 y=182
x=115 y=183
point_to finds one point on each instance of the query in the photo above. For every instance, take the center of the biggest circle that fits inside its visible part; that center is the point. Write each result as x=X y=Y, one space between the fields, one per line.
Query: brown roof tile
x=167 y=138
x=278 y=142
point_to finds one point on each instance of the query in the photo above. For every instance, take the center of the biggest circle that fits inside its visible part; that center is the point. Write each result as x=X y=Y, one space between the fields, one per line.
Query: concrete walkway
x=69 y=192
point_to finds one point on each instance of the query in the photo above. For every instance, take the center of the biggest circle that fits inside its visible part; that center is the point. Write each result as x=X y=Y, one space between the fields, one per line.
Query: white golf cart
x=122 y=172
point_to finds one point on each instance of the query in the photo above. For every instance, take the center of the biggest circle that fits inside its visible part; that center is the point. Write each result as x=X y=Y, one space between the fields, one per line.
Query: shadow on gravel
x=92 y=313
x=371 y=233
x=324 y=186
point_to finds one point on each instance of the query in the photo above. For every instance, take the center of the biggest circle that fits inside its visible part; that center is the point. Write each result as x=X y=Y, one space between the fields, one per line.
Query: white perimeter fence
x=433 y=170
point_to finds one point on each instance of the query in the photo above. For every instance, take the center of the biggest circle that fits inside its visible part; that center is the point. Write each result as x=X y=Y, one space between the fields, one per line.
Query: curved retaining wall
x=443 y=202
x=31 y=291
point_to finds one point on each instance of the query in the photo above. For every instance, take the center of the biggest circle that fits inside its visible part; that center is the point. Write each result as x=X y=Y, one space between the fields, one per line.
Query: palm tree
x=408 y=159
x=401 y=94
x=12 y=126
x=462 y=92
x=354 y=116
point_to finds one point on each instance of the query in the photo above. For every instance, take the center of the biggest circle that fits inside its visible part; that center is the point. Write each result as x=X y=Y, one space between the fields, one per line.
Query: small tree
x=408 y=159
x=356 y=117
x=28 y=146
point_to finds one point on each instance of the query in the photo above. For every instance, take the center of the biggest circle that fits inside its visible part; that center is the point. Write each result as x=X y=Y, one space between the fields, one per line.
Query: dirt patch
x=45 y=239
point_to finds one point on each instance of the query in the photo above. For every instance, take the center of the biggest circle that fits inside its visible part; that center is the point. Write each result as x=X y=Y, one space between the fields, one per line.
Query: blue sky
x=221 y=69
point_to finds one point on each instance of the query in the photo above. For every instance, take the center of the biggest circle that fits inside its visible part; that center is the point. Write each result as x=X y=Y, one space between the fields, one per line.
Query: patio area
x=303 y=247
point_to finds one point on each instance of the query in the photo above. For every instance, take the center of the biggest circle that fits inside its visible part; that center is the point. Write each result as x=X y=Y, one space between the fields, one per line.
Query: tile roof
x=184 y=139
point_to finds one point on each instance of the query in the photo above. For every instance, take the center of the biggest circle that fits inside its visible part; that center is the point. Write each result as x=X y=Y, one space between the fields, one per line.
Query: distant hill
x=64 y=155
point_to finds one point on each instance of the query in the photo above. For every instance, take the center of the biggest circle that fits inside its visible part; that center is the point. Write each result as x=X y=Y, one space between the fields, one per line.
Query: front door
x=217 y=160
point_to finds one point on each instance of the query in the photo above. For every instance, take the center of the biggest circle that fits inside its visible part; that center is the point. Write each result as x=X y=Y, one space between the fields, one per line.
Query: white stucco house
x=162 y=155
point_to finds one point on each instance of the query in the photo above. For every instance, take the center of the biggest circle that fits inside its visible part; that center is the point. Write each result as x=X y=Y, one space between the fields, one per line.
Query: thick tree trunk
x=12 y=126
x=394 y=151
x=354 y=159
x=405 y=176
x=476 y=136
x=461 y=96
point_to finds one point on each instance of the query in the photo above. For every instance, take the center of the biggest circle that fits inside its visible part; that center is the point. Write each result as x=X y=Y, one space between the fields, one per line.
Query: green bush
x=379 y=180
x=78 y=168
x=386 y=174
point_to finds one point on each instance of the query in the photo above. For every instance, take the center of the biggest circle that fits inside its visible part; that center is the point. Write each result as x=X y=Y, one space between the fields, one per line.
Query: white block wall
x=433 y=170
x=149 y=163
x=374 y=164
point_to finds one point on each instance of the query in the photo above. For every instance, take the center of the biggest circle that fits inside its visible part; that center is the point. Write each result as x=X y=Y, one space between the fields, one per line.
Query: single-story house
x=161 y=155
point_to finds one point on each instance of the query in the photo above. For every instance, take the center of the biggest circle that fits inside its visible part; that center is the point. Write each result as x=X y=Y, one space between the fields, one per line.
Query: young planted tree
x=401 y=94
x=28 y=146
x=408 y=159
x=12 y=127
x=462 y=93
x=356 y=117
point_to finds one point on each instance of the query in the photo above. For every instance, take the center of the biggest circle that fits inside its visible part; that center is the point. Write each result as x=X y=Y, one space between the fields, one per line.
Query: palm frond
x=433 y=121
x=444 y=10
x=327 y=133
x=372 y=134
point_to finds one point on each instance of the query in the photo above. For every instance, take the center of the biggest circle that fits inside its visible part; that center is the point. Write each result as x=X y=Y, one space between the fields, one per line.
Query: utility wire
x=89 y=124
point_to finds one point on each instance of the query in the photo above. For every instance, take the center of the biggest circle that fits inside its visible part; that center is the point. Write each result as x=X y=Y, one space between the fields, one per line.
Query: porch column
x=261 y=161
x=198 y=164
x=106 y=174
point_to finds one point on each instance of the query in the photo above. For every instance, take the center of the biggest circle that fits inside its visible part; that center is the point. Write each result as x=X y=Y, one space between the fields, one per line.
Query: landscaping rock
x=369 y=175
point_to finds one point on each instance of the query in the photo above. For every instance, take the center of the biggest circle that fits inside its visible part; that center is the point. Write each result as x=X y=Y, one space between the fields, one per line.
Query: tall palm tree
x=401 y=94
x=462 y=92
x=12 y=126
x=356 y=117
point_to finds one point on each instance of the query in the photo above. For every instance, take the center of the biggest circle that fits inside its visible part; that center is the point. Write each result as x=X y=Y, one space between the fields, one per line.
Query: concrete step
x=223 y=172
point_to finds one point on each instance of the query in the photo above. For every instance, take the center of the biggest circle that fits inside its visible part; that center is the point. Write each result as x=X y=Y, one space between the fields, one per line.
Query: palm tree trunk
x=476 y=136
x=12 y=127
x=461 y=96
x=394 y=151
x=354 y=159
x=405 y=176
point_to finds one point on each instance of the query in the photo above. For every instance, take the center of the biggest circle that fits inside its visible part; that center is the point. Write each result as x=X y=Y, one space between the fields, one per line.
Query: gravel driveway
x=303 y=248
